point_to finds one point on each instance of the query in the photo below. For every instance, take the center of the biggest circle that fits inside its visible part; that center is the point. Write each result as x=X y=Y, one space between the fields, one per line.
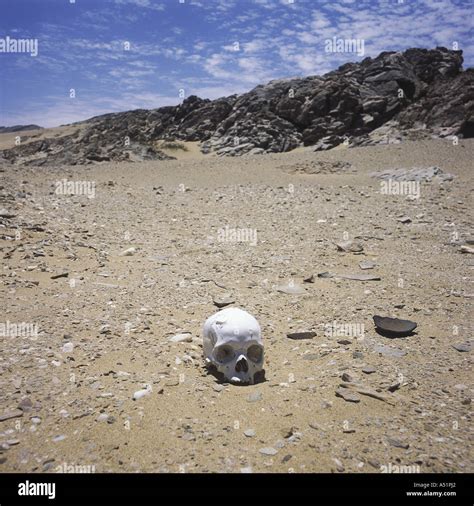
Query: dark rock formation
x=413 y=94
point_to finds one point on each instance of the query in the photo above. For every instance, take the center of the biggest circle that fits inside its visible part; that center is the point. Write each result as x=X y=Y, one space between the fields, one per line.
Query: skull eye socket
x=255 y=353
x=224 y=354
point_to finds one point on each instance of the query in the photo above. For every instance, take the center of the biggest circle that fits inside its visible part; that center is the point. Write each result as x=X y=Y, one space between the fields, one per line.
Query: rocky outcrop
x=397 y=95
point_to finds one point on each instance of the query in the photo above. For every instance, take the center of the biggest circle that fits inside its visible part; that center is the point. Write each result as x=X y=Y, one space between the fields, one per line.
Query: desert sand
x=103 y=327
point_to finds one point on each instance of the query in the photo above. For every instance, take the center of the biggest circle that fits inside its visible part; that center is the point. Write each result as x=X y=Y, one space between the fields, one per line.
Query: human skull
x=233 y=344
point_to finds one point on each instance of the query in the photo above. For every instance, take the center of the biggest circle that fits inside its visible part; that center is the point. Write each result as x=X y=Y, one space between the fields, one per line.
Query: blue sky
x=209 y=48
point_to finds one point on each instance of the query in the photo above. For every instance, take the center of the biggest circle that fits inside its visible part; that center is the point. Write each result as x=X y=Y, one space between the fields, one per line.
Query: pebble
x=339 y=465
x=6 y=214
x=141 y=393
x=347 y=395
x=301 y=335
x=56 y=439
x=249 y=432
x=397 y=443
x=347 y=377
x=366 y=264
x=350 y=246
x=344 y=342
x=25 y=404
x=224 y=300
x=128 y=252
x=369 y=370
x=462 y=347
x=60 y=275
x=404 y=219
x=185 y=337
x=16 y=413
x=268 y=451
x=67 y=348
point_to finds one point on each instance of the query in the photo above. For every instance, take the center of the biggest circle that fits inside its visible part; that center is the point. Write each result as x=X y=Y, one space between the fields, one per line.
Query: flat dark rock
x=393 y=327
x=462 y=347
x=301 y=335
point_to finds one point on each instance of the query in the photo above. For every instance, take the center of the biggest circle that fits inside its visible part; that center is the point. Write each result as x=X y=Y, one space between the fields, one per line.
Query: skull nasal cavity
x=242 y=365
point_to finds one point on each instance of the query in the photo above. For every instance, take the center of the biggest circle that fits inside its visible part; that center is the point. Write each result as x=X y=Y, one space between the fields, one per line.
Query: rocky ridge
x=411 y=95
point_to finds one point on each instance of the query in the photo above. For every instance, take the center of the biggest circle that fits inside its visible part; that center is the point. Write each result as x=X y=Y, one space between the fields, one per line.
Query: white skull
x=233 y=344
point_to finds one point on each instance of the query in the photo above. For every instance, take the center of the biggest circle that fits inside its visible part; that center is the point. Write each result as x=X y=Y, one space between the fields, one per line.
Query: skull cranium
x=232 y=343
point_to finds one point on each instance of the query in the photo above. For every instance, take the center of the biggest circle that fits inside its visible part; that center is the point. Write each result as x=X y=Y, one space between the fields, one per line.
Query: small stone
x=357 y=354
x=344 y=342
x=249 y=432
x=218 y=388
x=369 y=370
x=462 y=347
x=397 y=443
x=394 y=386
x=128 y=252
x=350 y=246
x=142 y=393
x=67 y=348
x=301 y=335
x=347 y=377
x=16 y=413
x=309 y=279
x=224 y=300
x=185 y=337
x=347 y=395
x=246 y=470
x=25 y=404
x=6 y=214
x=404 y=219
x=366 y=264
x=325 y=275
x=56 y=439
x=60 y=275
x=268 y=451
x=339 y=465
x=103 y=417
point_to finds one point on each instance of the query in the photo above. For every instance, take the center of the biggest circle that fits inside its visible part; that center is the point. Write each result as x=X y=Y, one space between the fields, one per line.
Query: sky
x=118 y=55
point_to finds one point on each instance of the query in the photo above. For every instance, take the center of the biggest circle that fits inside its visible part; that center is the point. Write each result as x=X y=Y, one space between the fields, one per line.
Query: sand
x=119 y=312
